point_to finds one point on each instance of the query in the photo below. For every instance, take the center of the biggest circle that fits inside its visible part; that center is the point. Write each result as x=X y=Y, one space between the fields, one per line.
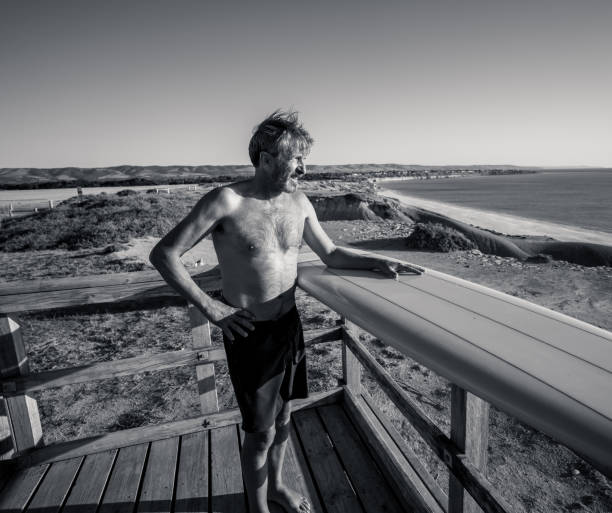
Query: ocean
x=574 y=198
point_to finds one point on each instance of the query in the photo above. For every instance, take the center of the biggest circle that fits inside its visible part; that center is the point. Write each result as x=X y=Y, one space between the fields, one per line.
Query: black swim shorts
x=267 y=367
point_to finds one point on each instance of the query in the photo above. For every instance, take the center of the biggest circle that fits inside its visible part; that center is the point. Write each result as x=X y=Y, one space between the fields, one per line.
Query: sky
x=433 y=82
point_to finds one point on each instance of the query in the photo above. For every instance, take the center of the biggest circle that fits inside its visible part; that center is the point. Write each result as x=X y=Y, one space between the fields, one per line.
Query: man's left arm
x=344 y=258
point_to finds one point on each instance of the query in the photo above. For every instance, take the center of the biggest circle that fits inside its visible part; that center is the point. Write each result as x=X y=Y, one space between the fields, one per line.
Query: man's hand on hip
x=231 y=319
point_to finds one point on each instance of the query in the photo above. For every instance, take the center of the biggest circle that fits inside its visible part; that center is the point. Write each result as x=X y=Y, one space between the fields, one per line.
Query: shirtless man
x=257 y=228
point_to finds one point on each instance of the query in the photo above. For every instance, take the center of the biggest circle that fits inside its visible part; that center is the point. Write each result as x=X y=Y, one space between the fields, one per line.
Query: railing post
x=470 y=432
x=205 y=374
x=18 y=414
x=6 y=441
x=351 y=367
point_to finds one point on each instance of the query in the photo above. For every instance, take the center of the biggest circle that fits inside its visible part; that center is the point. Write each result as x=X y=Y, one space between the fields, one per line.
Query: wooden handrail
x=135 y=365
x=129 y=291
x=76 y=294
x=110 y=369
x=82 y=282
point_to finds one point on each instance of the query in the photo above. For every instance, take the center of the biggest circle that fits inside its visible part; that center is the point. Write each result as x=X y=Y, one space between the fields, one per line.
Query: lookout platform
x=345 y=455
x=327 y=460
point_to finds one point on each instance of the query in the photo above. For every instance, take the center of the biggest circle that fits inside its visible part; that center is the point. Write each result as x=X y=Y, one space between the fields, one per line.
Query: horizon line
x=565 y=166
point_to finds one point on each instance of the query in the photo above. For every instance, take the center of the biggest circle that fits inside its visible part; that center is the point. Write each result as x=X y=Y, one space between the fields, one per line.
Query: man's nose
x=301 y=169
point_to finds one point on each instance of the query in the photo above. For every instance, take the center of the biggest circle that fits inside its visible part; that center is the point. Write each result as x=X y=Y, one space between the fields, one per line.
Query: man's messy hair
x=278 y=133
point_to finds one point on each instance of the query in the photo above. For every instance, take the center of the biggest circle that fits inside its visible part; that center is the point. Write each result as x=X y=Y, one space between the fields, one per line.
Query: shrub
x=127 y=192
x=437 y=237
x=93 y=221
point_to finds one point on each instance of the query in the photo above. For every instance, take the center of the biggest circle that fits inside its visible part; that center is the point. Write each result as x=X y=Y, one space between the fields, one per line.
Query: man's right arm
x=166 y=254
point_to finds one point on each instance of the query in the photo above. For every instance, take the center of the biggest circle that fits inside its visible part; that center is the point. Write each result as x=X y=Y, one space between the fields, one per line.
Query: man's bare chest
x=255 y=228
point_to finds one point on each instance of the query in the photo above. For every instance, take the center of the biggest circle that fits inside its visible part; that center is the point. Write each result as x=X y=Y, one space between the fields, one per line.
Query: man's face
x=288 y=167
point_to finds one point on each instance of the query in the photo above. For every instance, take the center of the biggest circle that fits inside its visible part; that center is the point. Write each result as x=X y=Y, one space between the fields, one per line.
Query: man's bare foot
x=291 y=501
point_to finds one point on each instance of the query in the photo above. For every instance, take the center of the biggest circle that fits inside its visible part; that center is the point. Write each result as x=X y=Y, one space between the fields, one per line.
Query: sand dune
x=533 y=239
x=504 y=223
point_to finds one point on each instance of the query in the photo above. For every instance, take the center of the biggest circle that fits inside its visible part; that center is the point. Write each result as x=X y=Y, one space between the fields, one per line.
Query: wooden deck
x=329 y=459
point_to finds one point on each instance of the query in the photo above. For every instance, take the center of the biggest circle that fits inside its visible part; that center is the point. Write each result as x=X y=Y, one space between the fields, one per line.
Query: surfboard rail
x=547 y=369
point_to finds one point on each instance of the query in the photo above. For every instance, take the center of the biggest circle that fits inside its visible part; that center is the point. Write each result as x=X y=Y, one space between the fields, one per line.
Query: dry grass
x=35 y=265
x=93 y=221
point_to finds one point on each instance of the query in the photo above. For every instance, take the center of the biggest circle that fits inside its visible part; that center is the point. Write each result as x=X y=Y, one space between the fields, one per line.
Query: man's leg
x=254 y=458
x=278 y=491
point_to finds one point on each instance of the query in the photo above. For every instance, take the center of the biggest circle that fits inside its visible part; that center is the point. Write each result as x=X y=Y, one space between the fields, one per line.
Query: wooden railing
x=120 y=292
x=464 y=452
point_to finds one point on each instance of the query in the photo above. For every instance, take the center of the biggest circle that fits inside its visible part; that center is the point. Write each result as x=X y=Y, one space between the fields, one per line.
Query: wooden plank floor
x=326 y=460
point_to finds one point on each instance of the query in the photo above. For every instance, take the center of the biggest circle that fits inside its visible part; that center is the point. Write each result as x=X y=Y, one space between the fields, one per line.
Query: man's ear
x=265 y=159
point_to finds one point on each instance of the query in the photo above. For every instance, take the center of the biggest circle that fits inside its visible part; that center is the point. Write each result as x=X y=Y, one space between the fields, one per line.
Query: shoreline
x=502 y=223
x=375 y=181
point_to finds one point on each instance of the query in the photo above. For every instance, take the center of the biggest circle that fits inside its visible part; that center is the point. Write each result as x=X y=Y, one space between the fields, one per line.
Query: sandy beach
x=503 y=223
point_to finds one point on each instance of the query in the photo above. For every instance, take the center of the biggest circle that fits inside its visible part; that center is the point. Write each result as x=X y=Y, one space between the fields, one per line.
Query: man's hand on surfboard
x=393 y=269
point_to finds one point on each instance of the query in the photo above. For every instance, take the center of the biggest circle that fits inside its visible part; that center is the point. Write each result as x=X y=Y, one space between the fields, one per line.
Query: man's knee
x=260 y=441
x=282 y=423
x=284 y=415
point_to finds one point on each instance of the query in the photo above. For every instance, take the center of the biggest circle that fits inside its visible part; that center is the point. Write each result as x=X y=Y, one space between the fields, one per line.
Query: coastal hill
x=98 y=220
x=168 y=174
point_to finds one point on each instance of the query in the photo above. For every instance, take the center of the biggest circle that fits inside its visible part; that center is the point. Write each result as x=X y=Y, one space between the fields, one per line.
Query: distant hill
x=114 y=173
x=168 y=174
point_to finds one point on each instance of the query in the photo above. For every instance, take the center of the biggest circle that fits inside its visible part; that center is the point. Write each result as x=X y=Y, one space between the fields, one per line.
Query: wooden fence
x=21 y=208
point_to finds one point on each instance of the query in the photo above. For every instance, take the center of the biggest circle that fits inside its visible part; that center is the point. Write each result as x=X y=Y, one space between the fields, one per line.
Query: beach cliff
x=371 y=206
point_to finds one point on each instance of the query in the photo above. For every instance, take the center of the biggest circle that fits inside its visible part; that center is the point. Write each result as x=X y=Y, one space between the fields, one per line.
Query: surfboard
x=549 y=370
